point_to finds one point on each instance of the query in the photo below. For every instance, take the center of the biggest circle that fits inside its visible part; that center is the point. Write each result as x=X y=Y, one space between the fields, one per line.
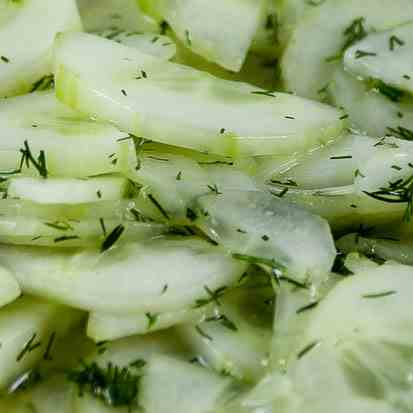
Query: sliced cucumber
x=369 y=111
x=67 y=191
x=35 y=24
x=102 y=326
x=52 y=391
x=171 y=182
x=356 y=262
x=185 y=387
x=381 y=162
x=25 y=328
x=290 y=12
x=98 y=15
x=67 y=233
x=153 y=44
x=332 y=165
x=139 y=273
x=9 y=288
x=344 y=208
x=385 y=56
x=259 y=226
x=379 y=248
x=73 y=145
x=221 y=31
x=236 y=340
x=319 y=36
x=140 y=102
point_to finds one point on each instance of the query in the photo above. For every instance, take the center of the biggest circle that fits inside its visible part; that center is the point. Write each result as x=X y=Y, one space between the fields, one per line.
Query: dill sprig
x=401 y=133
x=213 y=297
x=115 y=386
x=390 y=92
x=398 y=192
x=112 y=238
x=352 y=34
x=27 y=159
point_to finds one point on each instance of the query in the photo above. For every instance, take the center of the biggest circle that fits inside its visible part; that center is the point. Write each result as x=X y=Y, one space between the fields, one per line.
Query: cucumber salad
x=206 y=206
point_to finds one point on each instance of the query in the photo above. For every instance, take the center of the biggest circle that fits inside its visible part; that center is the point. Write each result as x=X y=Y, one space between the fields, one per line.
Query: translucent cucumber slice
x=344 y=207
x=185 y=387
x=370 y=111
x=156 y=45
x=261 y=228
x=381 y=162
x=67 y=233
x=26 y=327
x=323 y=32
x=52 y=391
x=141 y=95
x=9 y=288
x=236 y=339
x=103 y=326
x=26 y=37
x=385 y=56
x=378 y=248
x=356 y=262
x=332 y=165
x=170 y=183
x=221 y=31
x=98 y=15
x=67 y=191
x=188 y=268
x=73 y=145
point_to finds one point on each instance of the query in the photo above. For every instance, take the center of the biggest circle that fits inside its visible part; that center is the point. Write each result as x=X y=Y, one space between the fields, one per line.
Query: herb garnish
x=29 y=347
x=380 y=295
x=115 y=386
x=398 y=192
x=112 y=238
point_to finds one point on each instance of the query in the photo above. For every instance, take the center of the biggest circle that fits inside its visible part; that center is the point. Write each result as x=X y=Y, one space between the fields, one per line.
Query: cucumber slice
x=73 y=145
x=67 y=191
x=369 y=111
x=88 y=404
x=26 y=327
x=329 y=166
x=145 y=110
x=320 y=35
x=98 y=15
x=171 y=182
x=9 y=288
x=381 y=249
x=236 y=340
x=381 y=162
x=34 y=23
x=221 y=31
x=259 y=227
x=66 y=233
x=384 y=56
x=344 y=208
x=103 y=326
x=185 y=387
x=153 y=44
x=290 y=12
x=138 y=273
x=356 y=263
x=44 y=396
